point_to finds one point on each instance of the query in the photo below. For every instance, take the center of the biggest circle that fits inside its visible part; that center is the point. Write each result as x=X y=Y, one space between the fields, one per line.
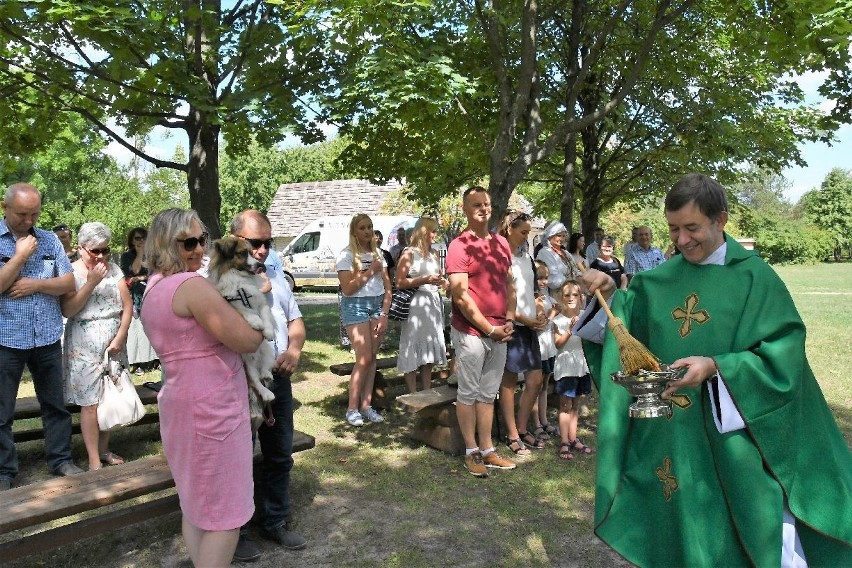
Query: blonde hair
x=355 y=244
x=161 y=248
x=423 y=227
x=573 y=284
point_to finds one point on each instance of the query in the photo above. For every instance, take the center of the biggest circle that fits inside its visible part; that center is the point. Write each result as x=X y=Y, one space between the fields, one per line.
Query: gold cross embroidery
x=681 y=400
x=689 y=315
x=664 y=474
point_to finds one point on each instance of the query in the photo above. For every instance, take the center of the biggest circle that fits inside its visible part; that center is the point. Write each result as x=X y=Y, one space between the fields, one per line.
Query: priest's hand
x=593 y=280
x=694 y=371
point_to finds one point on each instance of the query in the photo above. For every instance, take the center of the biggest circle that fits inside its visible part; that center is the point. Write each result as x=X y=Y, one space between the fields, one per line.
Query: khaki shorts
x=480 y=362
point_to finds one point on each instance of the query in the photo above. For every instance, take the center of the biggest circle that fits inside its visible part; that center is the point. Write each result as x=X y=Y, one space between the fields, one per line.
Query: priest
x=751 y=468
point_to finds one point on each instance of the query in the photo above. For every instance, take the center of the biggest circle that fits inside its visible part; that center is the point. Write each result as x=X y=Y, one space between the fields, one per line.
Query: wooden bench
x=436 y=423
x=28 y=407
x=381 y=382
x=53 y=499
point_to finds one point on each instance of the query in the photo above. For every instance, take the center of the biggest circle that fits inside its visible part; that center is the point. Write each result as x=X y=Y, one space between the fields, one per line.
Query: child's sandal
x=580 y=447
x=541 y=434
x=550 y=429
x=564 y=452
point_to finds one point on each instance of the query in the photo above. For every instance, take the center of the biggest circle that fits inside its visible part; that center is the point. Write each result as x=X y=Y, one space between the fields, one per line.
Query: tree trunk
x=203 y=171
x=566 y=207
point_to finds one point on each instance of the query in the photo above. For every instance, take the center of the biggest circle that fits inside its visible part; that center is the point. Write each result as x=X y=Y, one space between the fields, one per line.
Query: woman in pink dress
x=204 y=415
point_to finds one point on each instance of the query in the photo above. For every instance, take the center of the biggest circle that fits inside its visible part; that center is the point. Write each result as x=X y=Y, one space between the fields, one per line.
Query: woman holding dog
x=204 y=415
x=366 y=289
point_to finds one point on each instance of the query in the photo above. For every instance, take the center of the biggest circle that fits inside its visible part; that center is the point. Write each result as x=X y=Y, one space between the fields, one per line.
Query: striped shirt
x=35 y=320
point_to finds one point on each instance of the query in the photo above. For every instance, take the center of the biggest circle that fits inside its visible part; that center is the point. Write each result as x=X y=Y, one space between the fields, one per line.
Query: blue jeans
x=276 y=444
x=45 y=365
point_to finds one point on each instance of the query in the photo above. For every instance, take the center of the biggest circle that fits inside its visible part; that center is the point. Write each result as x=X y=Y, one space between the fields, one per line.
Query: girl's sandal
x=518 y=448
x=541 y=434
x=565 y=451
x=550 y=429
x=580 y=447
x=531 y=441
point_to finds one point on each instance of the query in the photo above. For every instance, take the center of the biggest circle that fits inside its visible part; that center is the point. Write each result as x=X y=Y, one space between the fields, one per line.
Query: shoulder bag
x=119 y=404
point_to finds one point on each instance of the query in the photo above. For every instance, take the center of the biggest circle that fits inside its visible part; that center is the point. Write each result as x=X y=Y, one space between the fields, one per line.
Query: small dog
x=232 y=270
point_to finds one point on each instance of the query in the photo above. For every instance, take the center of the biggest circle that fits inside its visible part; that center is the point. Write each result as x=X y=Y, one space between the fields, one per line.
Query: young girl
x=366 y=289
x=571 y=371
x=550 y=309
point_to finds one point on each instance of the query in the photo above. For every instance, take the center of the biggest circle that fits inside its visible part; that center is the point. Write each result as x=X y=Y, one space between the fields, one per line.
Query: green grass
x=371 y=496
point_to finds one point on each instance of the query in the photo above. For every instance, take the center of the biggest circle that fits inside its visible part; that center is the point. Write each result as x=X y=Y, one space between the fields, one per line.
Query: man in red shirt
x=479 y=266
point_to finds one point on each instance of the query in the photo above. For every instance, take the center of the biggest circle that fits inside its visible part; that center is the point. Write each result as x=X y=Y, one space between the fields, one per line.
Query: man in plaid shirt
x=643 y=256
x=34 y=274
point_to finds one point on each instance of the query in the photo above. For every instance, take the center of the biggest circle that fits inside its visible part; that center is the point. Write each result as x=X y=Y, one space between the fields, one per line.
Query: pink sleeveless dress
x=204 y=414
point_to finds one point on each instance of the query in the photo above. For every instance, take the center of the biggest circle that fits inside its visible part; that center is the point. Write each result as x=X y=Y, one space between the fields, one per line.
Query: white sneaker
x=372 y=415
x=354 y=418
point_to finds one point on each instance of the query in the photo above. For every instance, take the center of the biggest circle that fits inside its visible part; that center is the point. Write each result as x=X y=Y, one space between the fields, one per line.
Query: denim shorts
x=359 y=309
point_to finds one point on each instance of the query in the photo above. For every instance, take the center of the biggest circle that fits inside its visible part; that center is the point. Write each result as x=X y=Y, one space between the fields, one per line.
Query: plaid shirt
x=640 y=260
x=35 y=320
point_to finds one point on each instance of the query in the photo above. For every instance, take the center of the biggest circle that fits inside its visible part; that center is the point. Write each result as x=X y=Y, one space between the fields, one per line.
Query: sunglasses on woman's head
x=190 y=243
x=257 y=243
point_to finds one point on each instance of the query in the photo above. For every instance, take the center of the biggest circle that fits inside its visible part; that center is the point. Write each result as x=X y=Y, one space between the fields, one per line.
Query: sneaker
x=354 y=418
x=474 y=464
x=247 y=550
x=287 y=538
x=372 y=415
x=493 y=459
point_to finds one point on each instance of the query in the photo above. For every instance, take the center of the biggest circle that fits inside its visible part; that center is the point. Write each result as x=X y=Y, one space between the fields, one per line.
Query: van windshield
x=308 y=242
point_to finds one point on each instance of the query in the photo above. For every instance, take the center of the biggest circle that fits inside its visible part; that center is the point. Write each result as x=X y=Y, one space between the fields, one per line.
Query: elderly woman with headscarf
x=560 y=265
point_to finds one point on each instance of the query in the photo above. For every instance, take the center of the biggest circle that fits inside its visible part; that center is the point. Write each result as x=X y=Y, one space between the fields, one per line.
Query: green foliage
x=193 y=66
x=830 y=207
x=250 y=180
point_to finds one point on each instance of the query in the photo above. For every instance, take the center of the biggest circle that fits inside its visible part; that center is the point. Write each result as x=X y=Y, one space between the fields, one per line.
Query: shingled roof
x=297 y=204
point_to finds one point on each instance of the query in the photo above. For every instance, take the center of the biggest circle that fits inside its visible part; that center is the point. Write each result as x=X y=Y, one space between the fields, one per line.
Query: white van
x=309 y=259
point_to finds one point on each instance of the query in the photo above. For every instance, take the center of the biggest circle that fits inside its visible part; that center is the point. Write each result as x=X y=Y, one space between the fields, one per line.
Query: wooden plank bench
x=436 y=422
x=381 y=382
x=53 y=499
x=28 y=407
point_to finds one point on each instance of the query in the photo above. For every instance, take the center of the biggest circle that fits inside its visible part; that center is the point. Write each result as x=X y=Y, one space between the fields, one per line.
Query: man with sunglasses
x=34 y=274
x=276 y=440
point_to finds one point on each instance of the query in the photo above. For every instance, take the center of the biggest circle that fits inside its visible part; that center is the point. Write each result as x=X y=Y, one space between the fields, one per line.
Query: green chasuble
x=676 y=492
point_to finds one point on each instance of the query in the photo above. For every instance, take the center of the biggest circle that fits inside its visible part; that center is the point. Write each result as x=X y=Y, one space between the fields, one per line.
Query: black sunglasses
x=257 y=243
x=61 y=228
x=190 y=243
x=104 y=251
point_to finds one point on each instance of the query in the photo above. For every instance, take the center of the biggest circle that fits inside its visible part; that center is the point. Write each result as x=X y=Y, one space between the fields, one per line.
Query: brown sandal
x=531 y=441
x=579 y=446
x=564 y=452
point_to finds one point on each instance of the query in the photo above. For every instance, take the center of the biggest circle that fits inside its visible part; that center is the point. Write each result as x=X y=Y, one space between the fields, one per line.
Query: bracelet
x=493 y=328
x=383 y=314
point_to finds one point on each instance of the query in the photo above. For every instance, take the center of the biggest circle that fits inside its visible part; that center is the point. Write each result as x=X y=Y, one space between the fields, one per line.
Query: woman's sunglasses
x=104 y=251
x=190 y=243
x=257 y=243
